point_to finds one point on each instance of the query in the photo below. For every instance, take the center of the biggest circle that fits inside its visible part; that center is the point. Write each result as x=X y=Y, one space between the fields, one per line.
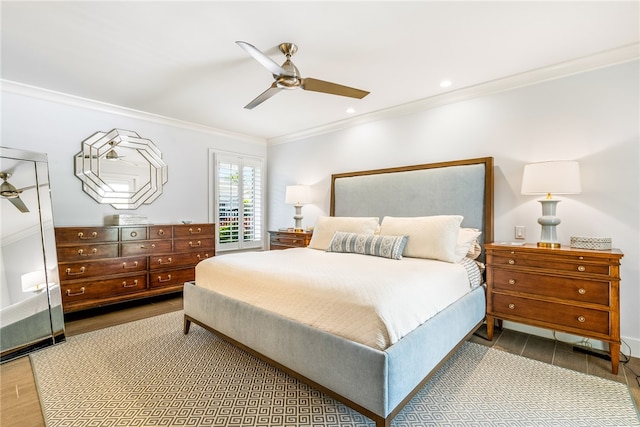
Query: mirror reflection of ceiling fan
x=287 y=76
x=11 y=193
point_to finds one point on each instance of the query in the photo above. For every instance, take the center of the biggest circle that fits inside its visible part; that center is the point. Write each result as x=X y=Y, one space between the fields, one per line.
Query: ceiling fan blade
x=263 y=59
x=316 y=85
x=273 y=89
x=18 y=203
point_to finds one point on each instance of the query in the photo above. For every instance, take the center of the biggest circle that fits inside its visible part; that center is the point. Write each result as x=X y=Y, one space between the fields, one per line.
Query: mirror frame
x=94 y=151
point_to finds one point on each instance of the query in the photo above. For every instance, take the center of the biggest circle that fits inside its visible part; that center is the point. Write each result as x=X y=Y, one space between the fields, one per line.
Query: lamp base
x=548 y=221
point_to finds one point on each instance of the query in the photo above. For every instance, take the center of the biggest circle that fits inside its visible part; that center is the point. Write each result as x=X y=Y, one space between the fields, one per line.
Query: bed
x=375 y=373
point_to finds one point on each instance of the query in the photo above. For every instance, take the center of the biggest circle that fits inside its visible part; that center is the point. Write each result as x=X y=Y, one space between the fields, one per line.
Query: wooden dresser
x=105 y=265
x=289 y=239
x=564 y=289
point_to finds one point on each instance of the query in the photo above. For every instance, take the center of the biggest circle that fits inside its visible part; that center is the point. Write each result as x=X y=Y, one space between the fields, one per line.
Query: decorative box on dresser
x=110 y=264
x=564 y=289
x=289 y=239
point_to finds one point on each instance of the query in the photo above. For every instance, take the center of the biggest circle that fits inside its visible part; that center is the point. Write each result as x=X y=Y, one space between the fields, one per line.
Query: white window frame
x=214 y=213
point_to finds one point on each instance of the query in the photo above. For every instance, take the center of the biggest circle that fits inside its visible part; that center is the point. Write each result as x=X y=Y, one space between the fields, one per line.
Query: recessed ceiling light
x=351 y=110
x=445 y=83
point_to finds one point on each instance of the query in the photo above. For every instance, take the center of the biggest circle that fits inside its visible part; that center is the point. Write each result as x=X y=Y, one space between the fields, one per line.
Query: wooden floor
x=20 y=406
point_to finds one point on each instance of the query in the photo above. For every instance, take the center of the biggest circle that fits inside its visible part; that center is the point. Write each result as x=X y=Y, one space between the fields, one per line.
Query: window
x=237 y=200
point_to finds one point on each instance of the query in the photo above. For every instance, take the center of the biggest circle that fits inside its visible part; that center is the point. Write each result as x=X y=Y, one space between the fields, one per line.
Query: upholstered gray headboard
x=461 y=187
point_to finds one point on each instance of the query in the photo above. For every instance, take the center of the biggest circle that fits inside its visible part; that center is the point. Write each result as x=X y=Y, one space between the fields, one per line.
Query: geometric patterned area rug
x=148 y=373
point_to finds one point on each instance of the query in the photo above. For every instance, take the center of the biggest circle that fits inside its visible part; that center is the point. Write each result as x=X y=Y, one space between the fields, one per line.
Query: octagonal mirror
x=121 y=169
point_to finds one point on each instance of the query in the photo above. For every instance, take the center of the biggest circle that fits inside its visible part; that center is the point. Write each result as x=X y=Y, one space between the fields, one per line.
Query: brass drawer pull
x=92 y=236
x=135 y=264
x=204 y=257
x=582 y=291
x=69 y=294
x=581 y=319
x=511 y=261
x=133 y=234
x=294 y=241
x=512 y=306
x=153 y=246
x=197 y=230
x=161 y=280
x=161 y=232
x=134 y=284
x=581 y=268
x=197 y=245
x=169 y=261
x=512 y=281
x=69 y=273
x=93 y=252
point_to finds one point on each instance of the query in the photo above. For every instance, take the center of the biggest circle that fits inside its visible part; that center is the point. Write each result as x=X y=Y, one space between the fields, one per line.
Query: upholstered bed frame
x=373 y=382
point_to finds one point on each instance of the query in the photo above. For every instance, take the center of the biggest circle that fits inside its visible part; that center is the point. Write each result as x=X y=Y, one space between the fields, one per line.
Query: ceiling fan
x=8 y=191
x=287 y=76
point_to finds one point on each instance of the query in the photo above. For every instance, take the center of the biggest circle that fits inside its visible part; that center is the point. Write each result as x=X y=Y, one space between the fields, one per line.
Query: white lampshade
x=556 y=177
x=33 y=281
x=297 y=195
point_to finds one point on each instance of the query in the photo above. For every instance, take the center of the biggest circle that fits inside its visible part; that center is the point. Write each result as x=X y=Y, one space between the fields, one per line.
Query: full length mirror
x=121 y=169
x=30 y=300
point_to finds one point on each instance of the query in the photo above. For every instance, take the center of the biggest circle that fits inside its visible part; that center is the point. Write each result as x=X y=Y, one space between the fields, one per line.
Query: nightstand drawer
x=547 y=285
x=283 y=240
x=556 y=263
x=566 y=317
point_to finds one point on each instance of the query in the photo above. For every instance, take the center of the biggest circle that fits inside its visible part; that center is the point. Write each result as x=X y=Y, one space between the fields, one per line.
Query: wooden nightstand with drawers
x=289 y=239
x=564 y=289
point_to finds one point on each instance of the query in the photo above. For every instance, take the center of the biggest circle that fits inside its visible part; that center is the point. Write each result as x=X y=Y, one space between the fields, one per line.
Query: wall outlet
x=520 y=232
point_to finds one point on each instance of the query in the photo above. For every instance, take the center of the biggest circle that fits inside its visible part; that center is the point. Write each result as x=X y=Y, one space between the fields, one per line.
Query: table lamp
x=553 y=177
x=298 y=195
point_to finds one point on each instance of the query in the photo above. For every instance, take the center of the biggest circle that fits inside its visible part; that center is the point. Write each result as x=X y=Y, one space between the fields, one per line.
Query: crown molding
x=604 y=59
x=607 y=58
x=9 y=86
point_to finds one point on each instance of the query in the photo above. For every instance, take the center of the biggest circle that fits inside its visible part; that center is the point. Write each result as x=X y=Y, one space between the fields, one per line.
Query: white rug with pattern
x=148 y=373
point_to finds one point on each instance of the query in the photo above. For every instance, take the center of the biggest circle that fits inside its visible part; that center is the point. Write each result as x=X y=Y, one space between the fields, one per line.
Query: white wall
x=591 y=117
x=57 y=126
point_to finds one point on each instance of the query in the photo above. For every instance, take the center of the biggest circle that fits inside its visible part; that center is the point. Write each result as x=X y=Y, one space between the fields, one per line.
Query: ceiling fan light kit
x=287 y=76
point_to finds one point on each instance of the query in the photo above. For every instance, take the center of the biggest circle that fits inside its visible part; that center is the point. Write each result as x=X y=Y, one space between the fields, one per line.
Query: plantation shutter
x=238 y=204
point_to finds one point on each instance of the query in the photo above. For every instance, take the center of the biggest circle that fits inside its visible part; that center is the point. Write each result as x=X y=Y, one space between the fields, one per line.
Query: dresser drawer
x=80 y=291
x=145 y=247
x=194 y=244
x=566 y=317
x=568 y=264
x=160 y=232
x=193 y=230
x=133 y=233
x=159 y=279
x=547 y=285
x=86 y=235
x=88 y=269
x=87 y=252
x=158 y=262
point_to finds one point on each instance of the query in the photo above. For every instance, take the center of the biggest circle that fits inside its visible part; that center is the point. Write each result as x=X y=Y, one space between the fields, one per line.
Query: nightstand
x=564 y=289
x=289 y=239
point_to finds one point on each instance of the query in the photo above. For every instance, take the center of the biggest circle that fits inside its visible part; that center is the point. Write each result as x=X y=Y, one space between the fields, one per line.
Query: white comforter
x=367 y=299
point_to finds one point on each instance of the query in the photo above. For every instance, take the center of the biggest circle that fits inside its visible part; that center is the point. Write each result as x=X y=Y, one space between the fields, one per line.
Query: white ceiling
x=180 y=60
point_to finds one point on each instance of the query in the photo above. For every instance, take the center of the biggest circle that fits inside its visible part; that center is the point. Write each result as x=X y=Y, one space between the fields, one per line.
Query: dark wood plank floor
x=20 y=405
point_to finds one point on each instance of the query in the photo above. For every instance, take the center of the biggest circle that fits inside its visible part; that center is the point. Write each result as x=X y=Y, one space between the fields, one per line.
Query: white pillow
x=467 y=245
x=432 y=237
x=326 y=226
